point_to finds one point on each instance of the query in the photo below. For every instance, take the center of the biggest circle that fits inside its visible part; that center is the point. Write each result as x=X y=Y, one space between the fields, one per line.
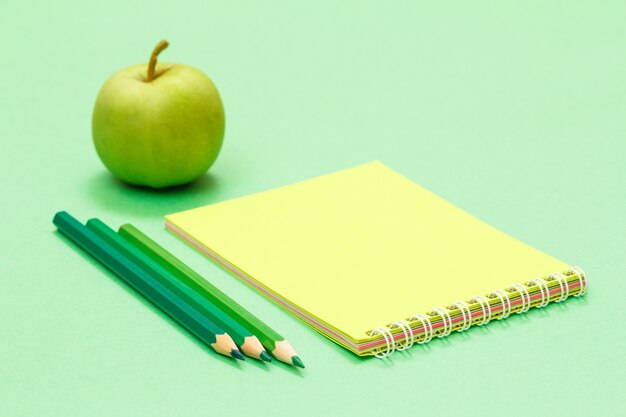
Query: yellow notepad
x=374 y=261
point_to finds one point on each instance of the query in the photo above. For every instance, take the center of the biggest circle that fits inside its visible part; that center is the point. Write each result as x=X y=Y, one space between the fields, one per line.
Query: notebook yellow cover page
x=374 y=261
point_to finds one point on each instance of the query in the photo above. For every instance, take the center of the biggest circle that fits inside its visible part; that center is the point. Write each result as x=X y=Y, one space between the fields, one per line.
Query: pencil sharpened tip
x=237 y=355
x=265 y=356
x=297 y=362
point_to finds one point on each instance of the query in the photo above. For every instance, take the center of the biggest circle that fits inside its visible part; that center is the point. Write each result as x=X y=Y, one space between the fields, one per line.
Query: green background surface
x=513 y=110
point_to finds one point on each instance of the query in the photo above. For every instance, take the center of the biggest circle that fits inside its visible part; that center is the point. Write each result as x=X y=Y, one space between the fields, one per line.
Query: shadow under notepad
x=115 y=195
x=454 y=340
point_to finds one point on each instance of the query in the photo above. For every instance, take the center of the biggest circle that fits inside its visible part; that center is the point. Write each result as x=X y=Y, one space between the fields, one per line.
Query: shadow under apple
x=115 y=195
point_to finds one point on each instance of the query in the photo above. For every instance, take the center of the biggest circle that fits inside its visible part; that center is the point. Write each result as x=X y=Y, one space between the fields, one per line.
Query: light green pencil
x=271 y=340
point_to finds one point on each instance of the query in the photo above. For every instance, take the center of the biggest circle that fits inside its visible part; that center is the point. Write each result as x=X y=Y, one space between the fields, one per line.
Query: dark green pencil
x=205 y=330
x=248 y=343
x=272 y=341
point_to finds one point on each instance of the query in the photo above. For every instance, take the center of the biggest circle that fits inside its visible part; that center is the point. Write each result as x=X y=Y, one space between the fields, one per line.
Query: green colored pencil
x=272 y=341
x=248 y=343
x=205 y=330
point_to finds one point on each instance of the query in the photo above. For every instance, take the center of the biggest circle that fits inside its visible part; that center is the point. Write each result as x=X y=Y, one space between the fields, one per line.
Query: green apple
x=158 y=125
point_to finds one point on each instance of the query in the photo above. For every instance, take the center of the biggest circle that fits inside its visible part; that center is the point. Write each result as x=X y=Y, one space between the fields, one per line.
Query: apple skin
x=158 y=133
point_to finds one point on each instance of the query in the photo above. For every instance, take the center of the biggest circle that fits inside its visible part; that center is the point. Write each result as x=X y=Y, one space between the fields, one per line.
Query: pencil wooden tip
x=284 y=352
x=224 y=345
x=252 y=347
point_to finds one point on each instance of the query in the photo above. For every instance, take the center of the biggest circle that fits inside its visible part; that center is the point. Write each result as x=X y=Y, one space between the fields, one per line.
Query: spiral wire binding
x=485 y=306
x=406 y=329
x=428 y=332
x=581 y=281
x=553 y=277
x=526 y=302
x=467 y=322
x=486 y=315
x=566 y=296
x=506 y=308
x=391 y=344
x=542 y=284
x=447 y=326
x=564 y=287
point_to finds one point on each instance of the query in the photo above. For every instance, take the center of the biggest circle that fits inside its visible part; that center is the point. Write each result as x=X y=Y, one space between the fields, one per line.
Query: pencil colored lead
x=237 y=355
x=265 y=356
x=297 y=362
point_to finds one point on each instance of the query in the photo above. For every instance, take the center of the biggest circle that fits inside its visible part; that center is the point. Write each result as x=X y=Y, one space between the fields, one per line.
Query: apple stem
x=153 y=58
